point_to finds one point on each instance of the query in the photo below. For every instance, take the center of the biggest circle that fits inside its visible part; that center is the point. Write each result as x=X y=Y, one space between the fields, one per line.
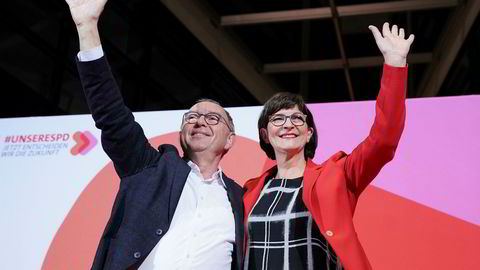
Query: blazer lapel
x=235 y=198
x=178 y=182
x=310 y=177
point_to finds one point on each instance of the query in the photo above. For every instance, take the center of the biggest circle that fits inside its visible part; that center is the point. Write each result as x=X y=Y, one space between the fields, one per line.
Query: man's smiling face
x=200 y=137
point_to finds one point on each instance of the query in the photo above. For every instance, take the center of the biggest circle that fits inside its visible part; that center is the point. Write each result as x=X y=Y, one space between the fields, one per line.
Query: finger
x=386 y=30
x=376 y=33
x=410 y=39
x=401 y=33
x=395 y=30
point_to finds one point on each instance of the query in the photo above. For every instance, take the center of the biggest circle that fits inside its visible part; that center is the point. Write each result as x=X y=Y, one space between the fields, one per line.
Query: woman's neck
x=290 y=167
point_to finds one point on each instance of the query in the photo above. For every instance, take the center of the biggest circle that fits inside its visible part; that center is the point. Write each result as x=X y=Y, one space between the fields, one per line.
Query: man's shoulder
x=232 y=184
x=168 y=149
x=169 y=153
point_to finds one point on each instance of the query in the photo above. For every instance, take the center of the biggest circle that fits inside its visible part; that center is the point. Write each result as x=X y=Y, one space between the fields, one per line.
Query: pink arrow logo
x=85 y=142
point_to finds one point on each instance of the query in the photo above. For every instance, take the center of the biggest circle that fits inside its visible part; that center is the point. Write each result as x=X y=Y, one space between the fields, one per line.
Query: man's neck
x=208 y=165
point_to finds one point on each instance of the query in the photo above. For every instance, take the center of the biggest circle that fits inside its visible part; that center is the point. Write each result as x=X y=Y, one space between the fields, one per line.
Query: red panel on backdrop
x=398 y=233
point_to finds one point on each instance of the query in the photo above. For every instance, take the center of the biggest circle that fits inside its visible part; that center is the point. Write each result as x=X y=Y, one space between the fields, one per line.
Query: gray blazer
x=151 y=183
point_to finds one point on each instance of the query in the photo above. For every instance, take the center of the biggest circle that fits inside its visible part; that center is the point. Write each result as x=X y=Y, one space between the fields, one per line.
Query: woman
x=299 y=214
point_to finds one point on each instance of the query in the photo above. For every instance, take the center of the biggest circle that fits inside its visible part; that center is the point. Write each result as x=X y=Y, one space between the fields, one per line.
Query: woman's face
x=291 y=137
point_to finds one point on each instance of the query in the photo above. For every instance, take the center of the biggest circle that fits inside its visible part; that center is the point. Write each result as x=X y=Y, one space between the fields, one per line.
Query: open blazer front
x=331 y=189
x=151 y=180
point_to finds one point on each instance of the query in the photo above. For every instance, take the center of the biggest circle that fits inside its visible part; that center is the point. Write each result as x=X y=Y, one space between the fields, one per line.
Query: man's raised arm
x=122 y=138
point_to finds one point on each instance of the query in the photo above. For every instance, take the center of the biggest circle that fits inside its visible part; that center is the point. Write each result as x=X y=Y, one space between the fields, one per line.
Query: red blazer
x=331 y=189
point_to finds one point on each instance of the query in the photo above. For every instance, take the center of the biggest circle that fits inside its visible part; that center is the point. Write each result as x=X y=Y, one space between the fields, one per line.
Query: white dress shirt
x=202 y=232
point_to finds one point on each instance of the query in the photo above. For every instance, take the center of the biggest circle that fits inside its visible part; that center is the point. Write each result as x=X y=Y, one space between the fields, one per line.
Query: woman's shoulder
x=252 y=182
x=338 y=156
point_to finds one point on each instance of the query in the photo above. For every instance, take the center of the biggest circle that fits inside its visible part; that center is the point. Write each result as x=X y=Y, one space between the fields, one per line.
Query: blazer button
x=137 y=255
x=159 y=232
x=329 y=233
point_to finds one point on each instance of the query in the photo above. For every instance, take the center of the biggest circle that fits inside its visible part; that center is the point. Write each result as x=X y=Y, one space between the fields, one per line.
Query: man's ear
x=230 y=141
x=264 y=135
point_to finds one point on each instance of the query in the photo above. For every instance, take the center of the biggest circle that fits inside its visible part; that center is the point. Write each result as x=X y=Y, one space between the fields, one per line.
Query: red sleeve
x=366 y=160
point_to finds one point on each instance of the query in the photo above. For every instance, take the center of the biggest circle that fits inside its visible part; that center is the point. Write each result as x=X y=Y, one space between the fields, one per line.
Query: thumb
x=376 y=33
x=410 y=39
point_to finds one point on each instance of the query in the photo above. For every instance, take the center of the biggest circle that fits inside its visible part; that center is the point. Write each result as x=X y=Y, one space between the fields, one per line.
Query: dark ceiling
x=167 y=54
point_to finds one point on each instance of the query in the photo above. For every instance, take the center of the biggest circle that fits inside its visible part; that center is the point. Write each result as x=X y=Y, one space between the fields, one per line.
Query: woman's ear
x=310 y=134
x=264 y=135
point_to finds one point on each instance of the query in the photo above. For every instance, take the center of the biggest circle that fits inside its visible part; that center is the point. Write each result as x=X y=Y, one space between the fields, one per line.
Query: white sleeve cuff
x=91 y=54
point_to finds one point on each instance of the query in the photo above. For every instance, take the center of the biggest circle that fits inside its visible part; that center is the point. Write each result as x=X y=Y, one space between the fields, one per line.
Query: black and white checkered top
x=282 y=233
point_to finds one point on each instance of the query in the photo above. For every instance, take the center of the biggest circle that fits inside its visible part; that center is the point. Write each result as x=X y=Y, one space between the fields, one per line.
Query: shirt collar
x=217 y=176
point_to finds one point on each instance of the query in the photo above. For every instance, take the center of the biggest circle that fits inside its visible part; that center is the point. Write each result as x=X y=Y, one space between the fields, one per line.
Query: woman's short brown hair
x=285 y=100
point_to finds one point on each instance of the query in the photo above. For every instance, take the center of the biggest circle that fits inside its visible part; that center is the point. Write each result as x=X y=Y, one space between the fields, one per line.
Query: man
x=170 y=212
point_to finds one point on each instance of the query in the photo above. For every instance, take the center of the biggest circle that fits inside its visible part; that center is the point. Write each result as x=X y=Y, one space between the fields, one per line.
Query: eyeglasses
x=211 y=118
x=297 y=119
